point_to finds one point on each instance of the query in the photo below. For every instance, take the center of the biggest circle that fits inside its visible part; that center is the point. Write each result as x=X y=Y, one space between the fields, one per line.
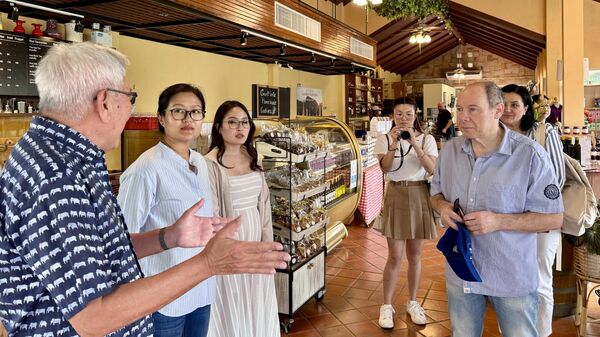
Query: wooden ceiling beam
x=524 y=61
x=414 y=65
x=464 y=23
x=444 y=45
x=394 y=53
x=474 y=30
x=488 y=20
x=414 y=52
x=411 y=49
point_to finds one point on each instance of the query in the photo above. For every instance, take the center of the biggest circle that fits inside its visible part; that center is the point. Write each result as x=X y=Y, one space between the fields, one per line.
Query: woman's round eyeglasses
x=234 y=123
x=180 y=114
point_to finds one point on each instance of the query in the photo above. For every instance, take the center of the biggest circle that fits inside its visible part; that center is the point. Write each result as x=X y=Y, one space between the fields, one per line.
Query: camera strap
x=402 y=154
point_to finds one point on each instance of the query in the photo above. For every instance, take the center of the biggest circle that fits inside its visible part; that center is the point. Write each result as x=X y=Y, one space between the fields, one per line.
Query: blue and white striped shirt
x=516 y=178
x=155 y=191
x=63 y=242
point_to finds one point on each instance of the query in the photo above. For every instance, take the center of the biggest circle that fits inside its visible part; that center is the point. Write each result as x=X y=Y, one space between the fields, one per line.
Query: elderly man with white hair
x=64 y=248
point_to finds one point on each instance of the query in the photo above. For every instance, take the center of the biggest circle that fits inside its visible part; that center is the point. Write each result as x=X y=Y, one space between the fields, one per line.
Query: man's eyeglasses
x=180 y=114
x=234 y=123
x=132 y=94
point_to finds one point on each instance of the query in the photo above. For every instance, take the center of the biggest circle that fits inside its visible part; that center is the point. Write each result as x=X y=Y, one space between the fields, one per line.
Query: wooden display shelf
x=16 y=114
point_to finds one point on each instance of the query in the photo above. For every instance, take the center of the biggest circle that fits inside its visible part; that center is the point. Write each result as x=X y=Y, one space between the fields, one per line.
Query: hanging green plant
x=420 y=9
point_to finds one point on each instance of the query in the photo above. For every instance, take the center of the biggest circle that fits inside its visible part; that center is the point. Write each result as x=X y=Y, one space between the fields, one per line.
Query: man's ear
x=499 y=110
x=101 y=106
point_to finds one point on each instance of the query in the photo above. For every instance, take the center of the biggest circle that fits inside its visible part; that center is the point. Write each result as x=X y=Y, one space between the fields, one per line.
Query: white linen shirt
x=155 y=191
x=411 y=169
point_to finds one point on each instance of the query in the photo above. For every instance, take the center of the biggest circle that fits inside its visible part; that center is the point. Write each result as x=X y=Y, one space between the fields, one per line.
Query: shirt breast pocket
x=501 y=198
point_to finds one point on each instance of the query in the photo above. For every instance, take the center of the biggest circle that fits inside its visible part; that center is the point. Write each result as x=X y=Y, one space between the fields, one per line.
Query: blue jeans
x=194 y=324
x=516 y=315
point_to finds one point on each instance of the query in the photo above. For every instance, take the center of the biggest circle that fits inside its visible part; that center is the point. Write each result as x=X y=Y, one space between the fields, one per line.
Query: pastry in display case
x=312 y=168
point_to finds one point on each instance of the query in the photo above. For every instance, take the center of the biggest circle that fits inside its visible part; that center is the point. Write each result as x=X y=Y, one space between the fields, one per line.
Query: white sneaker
x=386 y=316
x=416 y=312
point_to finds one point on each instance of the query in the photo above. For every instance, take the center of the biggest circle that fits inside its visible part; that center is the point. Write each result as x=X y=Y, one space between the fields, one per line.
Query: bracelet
x=161 y=239
x=390 y=150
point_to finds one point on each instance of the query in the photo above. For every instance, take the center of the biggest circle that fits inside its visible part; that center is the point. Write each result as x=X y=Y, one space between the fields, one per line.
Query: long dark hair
x=168 y=93
x=217 y=139
x=528 y=119
x=411 y=102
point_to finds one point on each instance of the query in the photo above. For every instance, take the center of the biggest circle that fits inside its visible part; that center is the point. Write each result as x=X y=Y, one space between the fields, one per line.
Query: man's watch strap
x=161 y=238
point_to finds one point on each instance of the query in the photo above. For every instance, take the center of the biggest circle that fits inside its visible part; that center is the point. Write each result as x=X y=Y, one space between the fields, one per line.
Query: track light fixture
x=282 y=50
x=353 y=68
x=13 y=12
x=290 y=67
x=332 y=63
x=313 y=58
x=244 y=39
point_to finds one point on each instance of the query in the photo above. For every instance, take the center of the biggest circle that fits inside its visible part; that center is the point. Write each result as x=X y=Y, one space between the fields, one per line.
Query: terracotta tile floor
x=354 y=294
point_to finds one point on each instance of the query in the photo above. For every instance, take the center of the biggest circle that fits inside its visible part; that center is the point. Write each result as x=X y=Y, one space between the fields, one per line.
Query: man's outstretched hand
x=223 y=255
x=191 y=230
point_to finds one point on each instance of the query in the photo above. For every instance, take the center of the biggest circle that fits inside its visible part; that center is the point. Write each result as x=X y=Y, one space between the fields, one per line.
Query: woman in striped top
x=157 y=188
x=245 y=305
x=518 y=116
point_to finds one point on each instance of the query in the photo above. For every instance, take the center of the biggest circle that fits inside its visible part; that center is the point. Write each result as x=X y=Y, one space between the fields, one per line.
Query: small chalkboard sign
x=270 y=102
x=267 y=99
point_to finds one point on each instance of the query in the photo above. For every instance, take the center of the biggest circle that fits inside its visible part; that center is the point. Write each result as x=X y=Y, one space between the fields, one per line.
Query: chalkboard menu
x=19 y=58
x=270 y=102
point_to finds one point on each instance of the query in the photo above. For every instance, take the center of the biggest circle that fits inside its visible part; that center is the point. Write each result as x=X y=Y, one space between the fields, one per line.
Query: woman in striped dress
x=245 y=305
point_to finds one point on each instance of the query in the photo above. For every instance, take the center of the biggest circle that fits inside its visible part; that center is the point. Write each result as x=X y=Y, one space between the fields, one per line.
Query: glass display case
x=312 y=167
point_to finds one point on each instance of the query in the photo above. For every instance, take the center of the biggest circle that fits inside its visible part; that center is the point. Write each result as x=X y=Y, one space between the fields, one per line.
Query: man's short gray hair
x=71 y=75
x=492 y=92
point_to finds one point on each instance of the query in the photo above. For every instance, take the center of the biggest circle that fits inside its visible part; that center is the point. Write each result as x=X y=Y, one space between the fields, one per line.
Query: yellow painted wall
x=354 y=16
x=154 y=66
x=591 y=42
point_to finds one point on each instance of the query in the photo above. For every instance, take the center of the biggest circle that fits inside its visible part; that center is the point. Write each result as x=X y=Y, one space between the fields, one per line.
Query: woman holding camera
x=407 y=157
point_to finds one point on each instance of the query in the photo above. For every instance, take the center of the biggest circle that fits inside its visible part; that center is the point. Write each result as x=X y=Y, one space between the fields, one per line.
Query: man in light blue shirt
x=507 y=188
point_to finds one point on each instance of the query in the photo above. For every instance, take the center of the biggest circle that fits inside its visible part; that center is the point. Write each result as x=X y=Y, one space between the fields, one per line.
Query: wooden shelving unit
x=363 y=100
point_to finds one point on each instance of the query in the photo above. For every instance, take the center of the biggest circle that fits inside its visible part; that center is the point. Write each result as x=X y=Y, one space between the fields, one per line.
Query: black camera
x=404 y=135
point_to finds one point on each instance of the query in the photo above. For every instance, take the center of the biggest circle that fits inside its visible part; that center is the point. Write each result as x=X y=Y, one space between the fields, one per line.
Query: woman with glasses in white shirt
x=245 y=305
x=157 y=188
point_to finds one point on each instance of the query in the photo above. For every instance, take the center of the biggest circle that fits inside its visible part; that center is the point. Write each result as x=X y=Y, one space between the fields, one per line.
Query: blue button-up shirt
x=516 y=178
x=63 y=241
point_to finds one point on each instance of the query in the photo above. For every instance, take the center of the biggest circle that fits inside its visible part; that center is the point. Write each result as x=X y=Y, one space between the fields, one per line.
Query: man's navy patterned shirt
x=63 y=241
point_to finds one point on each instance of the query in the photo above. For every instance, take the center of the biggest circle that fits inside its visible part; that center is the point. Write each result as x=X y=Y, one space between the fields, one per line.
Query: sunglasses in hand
x=457 y=209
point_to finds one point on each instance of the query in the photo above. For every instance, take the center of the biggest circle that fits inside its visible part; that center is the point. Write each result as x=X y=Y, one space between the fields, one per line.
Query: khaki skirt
x=407 y=213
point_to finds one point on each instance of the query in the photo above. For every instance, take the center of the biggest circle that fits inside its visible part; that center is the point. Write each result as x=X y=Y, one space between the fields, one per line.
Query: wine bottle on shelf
x=577 y=150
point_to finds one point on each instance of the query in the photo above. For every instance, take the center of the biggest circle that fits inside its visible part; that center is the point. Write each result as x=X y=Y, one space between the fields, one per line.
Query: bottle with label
x=576 y=130
x=566 y=130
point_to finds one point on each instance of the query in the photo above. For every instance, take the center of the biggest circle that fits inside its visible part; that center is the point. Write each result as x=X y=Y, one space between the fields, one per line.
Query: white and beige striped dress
x=245 y=305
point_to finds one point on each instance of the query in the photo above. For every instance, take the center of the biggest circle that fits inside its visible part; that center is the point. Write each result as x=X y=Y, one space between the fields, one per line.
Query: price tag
x=353 y=173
